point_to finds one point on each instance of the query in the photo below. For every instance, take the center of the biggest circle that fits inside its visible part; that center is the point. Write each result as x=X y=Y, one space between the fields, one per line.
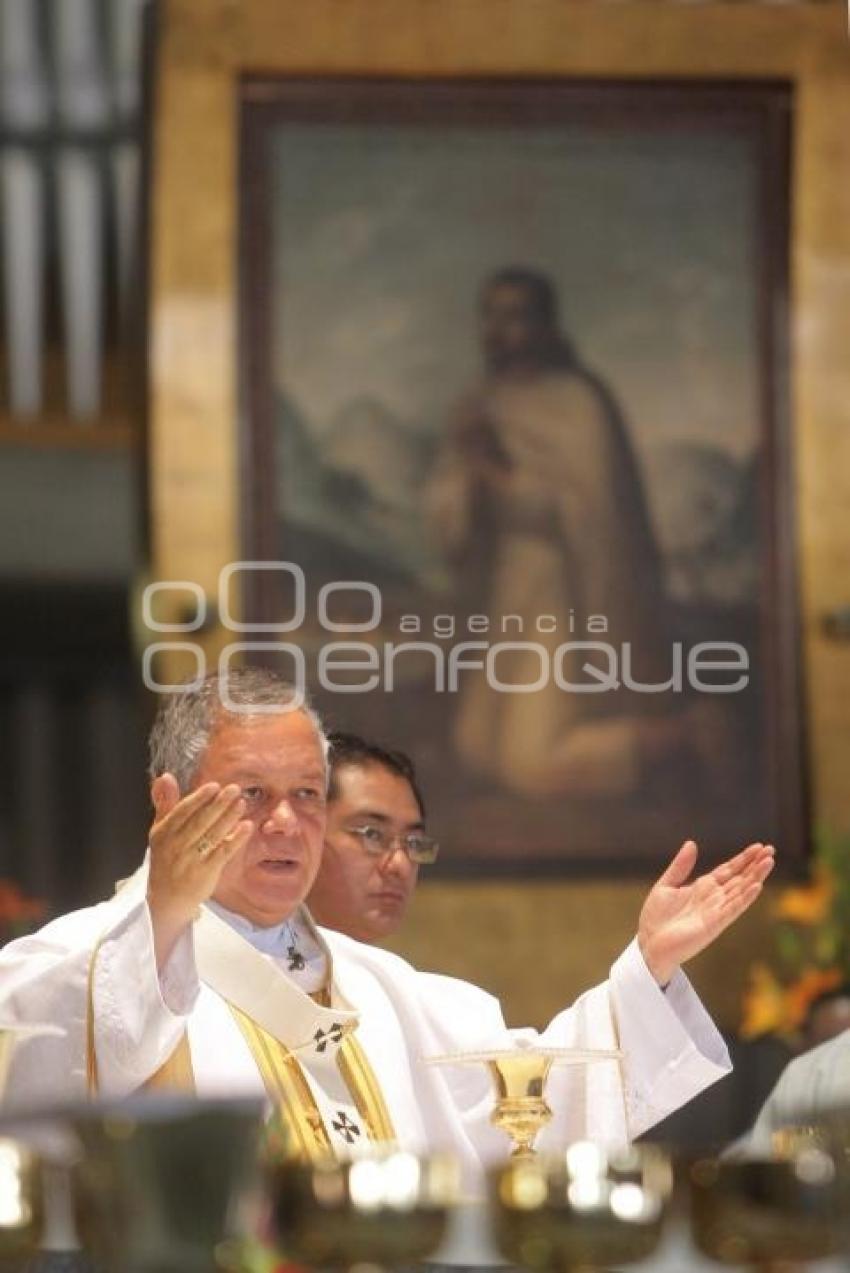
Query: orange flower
x=15 y=906
x=808 y=987
x=809 y=904
x=764 y=1004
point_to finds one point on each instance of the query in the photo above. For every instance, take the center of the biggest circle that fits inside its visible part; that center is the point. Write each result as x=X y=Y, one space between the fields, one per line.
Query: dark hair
x=543 y=297
x=539 y=288
x=351 y=749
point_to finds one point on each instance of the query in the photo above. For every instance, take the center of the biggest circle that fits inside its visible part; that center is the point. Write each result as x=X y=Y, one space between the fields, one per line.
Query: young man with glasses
x=375 y=841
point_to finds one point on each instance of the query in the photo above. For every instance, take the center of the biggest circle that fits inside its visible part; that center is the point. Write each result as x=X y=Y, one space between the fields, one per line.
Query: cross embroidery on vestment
x=324 y=1037
x=346 y=1127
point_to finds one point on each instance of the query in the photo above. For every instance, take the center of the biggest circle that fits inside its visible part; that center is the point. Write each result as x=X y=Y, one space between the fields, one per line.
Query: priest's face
x=278 y=763
x=356 y=893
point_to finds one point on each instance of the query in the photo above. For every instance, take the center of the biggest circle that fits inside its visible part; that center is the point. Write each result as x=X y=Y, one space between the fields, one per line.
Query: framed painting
x=515 y=414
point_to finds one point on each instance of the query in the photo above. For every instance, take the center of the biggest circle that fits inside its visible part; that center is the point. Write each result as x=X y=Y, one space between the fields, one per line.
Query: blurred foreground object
x=20 y=1202
x=382 y=1211
x=585 y=1209
x=763 y=1214
x=162 y=1182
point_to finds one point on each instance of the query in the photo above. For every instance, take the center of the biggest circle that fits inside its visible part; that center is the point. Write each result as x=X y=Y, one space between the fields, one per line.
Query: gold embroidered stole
x=287 y=1088
x=176 y=1073
x=362 y=1083
x=291 y=1094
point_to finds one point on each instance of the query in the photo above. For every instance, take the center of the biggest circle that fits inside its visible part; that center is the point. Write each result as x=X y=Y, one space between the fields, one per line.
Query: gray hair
x=186 y=720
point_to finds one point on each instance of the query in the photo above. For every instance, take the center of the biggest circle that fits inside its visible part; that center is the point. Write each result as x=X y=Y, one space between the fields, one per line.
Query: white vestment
x=358 y=1065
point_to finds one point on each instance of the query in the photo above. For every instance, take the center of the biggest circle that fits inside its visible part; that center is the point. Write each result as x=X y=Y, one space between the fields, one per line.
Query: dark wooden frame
x=764 y=108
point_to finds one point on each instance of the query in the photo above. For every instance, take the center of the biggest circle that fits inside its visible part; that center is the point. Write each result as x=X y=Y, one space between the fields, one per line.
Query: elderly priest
x=205 y=972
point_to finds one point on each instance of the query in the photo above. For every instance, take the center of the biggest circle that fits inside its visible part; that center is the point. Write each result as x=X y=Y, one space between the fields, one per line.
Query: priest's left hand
x=680 y=917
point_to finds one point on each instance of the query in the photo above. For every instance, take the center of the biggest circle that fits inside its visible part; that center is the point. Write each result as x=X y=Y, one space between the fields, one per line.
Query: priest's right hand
x=191 y=840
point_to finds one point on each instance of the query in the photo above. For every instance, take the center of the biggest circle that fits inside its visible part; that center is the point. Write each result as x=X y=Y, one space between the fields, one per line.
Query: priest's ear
x=165 y=794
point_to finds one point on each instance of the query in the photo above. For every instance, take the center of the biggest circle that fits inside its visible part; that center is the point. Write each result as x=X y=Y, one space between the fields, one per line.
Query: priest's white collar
x=270 y=939
x=293 y=943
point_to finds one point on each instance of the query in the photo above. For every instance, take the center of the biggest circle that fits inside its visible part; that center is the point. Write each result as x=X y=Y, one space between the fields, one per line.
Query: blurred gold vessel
x=20 y=1202
x=770 y=1214
x=21 y=1185
x=585 y=1209
x=384 y=1211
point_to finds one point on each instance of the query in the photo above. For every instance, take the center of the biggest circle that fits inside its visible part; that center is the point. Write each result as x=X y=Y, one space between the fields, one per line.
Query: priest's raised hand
x=191 y=841
x=681 y=915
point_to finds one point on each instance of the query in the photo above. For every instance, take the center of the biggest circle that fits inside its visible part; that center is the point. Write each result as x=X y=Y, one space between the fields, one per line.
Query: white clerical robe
x=225 y=1018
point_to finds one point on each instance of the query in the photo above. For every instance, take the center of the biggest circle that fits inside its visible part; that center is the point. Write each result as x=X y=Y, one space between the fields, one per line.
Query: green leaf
x=827 y=944
x=791 y=946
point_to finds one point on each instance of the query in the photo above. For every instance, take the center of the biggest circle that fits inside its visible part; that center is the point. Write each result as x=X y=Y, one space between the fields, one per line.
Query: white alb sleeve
x=139 y=1016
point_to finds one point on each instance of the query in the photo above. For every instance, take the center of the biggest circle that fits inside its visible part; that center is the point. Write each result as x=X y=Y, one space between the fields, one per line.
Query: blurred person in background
x=816 y=1084
x=827 y=1017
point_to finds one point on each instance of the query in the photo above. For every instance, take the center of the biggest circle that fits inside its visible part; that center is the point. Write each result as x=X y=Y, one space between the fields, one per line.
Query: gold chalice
x=586 y=1209
x=769 y=1214
x=20 y=1202
x=382 y=1211
x=519 y=1081
x=21 y=1185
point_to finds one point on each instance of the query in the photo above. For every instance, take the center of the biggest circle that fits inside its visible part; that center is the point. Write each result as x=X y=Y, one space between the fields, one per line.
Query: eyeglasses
x=420 y=848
